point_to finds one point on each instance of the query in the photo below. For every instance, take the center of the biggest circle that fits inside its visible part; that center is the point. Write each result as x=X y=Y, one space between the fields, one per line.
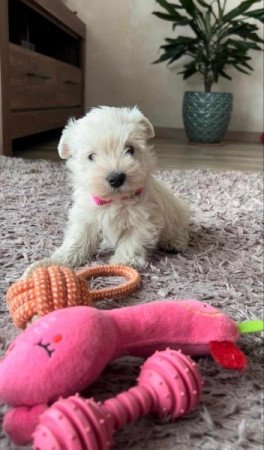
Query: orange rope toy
x=56 y=287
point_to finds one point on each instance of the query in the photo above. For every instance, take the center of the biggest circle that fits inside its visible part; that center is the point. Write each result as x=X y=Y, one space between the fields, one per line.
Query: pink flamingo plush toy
x=65 y=351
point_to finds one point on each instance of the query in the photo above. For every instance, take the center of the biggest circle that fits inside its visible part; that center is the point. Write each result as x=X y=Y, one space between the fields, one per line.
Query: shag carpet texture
x=222 y=266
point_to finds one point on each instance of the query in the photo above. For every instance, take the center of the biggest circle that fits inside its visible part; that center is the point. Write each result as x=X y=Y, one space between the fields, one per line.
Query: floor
x=172 y=153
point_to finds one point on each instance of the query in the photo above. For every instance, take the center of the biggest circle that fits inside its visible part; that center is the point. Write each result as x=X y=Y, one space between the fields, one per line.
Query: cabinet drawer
x=38 y=81
x=24 y=123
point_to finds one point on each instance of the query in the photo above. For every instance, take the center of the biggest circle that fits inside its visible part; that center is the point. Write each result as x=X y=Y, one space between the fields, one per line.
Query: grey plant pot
x=206 y=115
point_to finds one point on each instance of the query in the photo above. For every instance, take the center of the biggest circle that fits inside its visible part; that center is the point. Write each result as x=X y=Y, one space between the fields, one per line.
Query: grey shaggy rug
x=223 y=266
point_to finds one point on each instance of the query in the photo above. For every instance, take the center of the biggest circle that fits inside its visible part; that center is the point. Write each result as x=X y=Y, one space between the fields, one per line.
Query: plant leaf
x=243 y=63
x=241 y=70
x=257 y=14
x=170 y=7
x=208 y=22
x=189 y=6
x=239 y=10
x=188 y=73
x=171 y=18
x=199 y=33
x=164 y=16
x=224 y=75
x=182 y=40
x=204 y=4
x=242 y=46
x=189 y=70
x=162 y=58
x=180 y=23
x=245 y=33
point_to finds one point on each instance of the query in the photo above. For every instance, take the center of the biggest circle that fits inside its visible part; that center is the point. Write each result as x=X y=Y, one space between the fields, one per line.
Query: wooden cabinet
x=41 y=68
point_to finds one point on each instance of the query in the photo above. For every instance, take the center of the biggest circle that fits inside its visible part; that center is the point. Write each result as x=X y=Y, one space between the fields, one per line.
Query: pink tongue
x=100 y=201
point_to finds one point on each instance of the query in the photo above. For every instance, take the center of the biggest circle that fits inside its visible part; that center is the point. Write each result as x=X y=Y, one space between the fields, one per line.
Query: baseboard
x=233 y=136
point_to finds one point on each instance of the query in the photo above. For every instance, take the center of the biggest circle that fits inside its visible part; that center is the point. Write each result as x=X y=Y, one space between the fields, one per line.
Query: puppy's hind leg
x=175 y=234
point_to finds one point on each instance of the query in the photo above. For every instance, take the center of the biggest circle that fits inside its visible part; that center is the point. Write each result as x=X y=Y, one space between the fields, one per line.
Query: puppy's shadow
x=203 y=240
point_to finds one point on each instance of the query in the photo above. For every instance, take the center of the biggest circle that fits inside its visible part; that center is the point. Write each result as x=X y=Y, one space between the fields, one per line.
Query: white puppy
x=117 y=201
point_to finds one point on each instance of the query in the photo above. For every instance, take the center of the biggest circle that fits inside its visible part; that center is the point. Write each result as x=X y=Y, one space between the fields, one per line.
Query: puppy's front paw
x=42 y=263
x=138 y=262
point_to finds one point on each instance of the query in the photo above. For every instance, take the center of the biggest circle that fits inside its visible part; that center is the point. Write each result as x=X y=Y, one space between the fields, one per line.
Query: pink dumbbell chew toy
x=169 y=383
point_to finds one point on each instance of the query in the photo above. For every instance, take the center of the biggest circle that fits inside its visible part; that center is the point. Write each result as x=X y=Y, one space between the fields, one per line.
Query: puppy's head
x=108 y=152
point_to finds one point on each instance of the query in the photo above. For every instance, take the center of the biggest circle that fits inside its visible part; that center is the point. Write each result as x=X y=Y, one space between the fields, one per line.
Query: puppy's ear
x=64 y=147
x=149 y=129
x=144 y=123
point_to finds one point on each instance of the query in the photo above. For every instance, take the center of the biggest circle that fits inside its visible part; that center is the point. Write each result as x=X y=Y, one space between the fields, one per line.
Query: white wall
x=123 y=38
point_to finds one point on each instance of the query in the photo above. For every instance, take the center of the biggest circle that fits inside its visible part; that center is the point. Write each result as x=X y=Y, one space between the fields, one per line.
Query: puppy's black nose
x=116 y=179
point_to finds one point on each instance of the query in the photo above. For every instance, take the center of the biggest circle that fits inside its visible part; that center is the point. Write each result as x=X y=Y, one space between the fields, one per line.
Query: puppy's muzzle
x=116 y=179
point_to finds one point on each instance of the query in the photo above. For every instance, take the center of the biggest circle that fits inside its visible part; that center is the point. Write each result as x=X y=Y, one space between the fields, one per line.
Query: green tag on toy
x=251 y=326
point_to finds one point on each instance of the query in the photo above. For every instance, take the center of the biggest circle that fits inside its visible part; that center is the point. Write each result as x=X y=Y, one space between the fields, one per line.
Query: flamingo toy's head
x=220 y=333
x=60 y=352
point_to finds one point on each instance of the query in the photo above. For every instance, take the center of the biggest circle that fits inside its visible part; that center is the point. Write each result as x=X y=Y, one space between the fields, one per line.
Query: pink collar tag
x=100 y=201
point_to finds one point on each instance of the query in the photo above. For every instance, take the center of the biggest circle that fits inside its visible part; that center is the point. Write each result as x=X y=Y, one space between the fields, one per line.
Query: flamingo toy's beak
x=228 y=355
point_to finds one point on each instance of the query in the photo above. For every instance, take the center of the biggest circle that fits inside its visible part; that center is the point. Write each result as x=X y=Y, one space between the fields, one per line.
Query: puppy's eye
x=91 y=157
x=129 y=150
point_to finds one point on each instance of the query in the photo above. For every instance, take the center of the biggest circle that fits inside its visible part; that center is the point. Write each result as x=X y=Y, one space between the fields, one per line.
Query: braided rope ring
x=55 y=287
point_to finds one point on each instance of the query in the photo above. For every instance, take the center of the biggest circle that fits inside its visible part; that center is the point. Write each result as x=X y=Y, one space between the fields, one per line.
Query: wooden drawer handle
x=35 y=75
x=71 y=82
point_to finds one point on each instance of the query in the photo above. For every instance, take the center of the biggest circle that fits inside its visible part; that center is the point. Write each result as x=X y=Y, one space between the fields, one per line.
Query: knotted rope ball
x=56 y=287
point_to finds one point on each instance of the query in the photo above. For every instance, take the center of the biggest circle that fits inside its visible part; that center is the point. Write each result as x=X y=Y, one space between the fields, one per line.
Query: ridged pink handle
x=169 y=383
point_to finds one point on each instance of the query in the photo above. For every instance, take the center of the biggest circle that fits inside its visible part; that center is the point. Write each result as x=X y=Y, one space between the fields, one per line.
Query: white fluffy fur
x=132 y=227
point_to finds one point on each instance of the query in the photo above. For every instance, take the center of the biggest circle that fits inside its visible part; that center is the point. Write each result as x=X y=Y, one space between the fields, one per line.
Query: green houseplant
x=220 y=38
